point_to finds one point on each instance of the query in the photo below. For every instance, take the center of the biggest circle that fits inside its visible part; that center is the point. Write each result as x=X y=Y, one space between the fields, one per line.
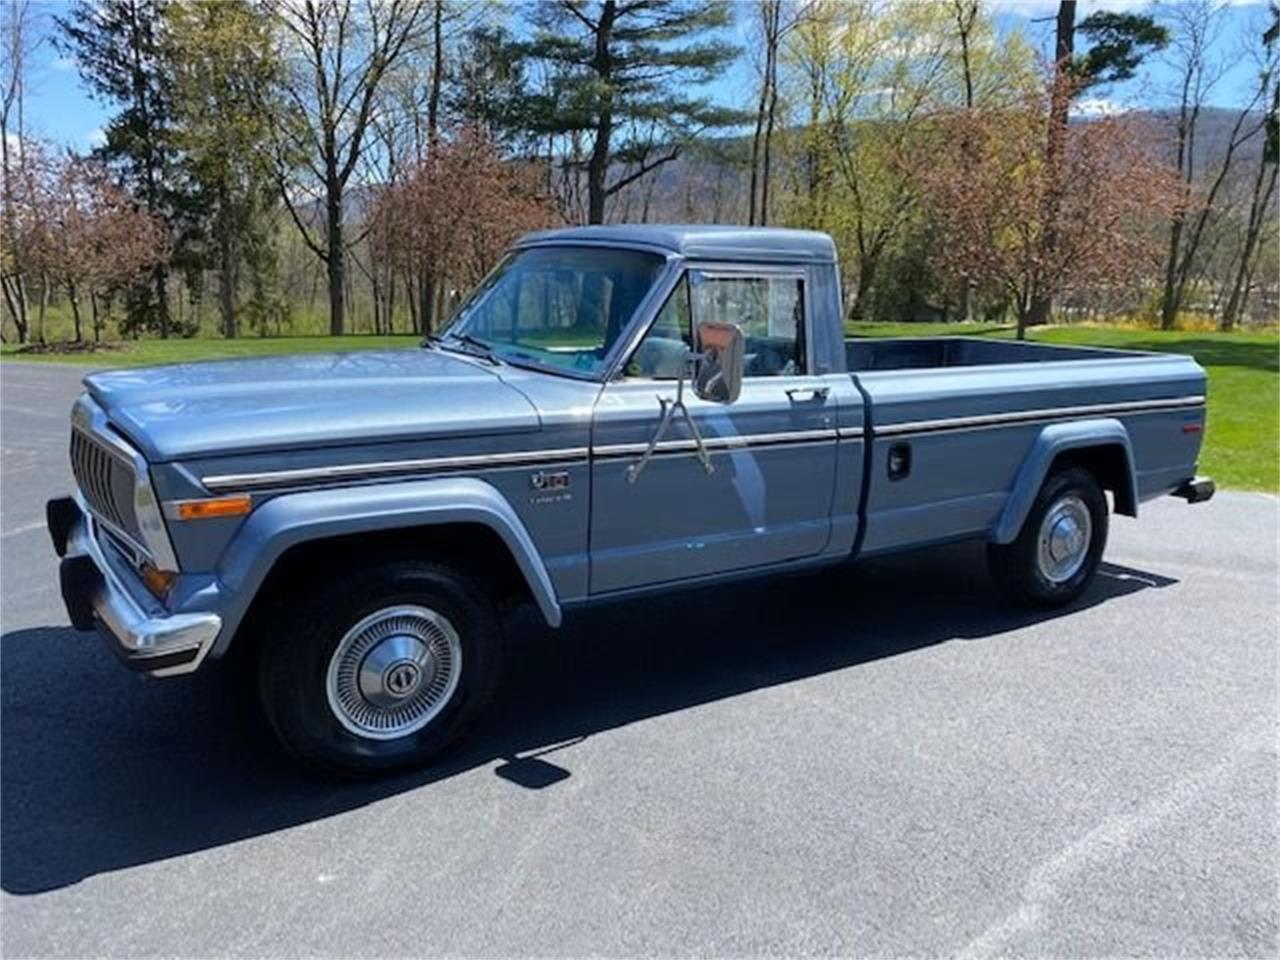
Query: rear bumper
x=1197 y=490
x=152 y=641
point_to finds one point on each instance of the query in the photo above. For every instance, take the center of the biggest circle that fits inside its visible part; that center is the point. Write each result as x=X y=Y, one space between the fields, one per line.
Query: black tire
x=1017 y=566
x=301 y=635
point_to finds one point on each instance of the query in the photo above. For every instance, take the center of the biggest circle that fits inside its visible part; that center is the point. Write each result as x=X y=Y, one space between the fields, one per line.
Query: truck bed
x=905 y=353
x=963 y=413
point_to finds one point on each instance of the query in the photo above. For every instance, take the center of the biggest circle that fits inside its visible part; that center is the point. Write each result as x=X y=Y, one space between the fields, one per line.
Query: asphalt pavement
x=879 y=760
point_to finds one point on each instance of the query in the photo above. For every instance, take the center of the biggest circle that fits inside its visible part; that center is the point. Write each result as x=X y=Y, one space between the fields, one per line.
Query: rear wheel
x=1057 y=551
x=382 y=670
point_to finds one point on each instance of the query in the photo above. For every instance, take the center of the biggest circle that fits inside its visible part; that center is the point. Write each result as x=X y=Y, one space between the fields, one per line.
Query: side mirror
x=718 y=374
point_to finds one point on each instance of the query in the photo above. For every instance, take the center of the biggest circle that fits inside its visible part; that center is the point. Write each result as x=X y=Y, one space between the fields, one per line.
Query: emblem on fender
x=549 y=481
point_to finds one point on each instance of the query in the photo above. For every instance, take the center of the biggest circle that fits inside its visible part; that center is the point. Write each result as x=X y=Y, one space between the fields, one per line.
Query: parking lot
x=883 y=760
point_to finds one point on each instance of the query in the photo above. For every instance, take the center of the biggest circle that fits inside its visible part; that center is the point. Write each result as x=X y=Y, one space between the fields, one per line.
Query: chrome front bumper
x=147 y=638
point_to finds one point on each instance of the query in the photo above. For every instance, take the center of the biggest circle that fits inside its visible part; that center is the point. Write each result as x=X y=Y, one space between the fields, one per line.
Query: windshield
x=558 y=306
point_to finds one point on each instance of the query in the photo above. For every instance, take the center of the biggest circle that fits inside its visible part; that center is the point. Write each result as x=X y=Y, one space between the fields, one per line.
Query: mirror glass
x=719 y=372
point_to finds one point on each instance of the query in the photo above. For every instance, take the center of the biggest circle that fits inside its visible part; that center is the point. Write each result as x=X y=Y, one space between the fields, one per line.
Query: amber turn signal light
x=236 y=506
x=157 y=581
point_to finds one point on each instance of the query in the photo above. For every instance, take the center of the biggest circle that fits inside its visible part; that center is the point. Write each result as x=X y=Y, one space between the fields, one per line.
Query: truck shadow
x=104 y=770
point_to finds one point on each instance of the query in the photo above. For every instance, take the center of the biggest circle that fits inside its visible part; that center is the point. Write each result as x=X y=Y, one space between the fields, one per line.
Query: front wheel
x=1057 y=551
x=381 y=670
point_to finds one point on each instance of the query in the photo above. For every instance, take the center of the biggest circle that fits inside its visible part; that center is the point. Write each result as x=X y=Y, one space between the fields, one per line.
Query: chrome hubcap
x=1063 y=542
x=393 y=672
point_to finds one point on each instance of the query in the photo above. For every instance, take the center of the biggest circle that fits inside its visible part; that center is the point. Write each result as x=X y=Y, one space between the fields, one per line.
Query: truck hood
x=308 y=400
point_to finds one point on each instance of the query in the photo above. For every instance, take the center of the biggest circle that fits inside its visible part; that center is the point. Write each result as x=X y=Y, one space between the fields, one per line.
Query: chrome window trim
x=679 y=268
x=609 y=363
x=1030 y=416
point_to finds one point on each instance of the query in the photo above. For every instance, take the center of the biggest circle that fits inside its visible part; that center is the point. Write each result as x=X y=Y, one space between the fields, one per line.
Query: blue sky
x=59 y=108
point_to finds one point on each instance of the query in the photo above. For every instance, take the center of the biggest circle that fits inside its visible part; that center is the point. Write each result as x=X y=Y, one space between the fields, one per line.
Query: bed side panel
x=968 y=430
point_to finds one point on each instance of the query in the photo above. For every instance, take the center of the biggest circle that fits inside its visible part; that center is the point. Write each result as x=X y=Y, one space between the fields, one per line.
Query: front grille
x=107 y=483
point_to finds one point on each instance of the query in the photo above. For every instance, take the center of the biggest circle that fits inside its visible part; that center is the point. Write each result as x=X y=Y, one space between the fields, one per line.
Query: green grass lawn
x=1241 y=447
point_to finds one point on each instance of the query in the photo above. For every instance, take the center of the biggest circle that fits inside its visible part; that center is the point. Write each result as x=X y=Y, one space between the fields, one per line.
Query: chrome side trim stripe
x=1027 y=416
x=348 y=471
x=786 y=437
x=277 y=478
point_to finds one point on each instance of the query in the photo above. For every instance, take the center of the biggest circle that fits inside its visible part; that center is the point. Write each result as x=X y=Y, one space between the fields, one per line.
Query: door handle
x=814 y=393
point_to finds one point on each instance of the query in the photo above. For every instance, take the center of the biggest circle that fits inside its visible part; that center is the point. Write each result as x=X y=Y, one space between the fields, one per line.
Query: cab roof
x=703 y=241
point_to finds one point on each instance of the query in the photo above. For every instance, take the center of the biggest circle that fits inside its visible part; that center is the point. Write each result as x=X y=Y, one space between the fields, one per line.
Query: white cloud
x=96 y=137
x=1096 y=107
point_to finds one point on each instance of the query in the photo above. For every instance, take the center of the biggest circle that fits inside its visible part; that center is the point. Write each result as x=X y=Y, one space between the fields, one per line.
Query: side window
x=661 y=354
x=770 y=311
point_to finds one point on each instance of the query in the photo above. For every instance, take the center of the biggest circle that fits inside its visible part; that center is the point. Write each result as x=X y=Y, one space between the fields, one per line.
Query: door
x=773 y=451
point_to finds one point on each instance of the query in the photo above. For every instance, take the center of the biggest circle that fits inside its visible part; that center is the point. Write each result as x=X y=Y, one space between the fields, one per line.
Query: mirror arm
x=669 y=408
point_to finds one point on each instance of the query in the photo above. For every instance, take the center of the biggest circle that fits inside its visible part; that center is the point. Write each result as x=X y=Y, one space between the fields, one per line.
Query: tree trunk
x=411 y=296
x=1041 y=304
x=770 y=115
x=391 y=301
x=758 y=134
x=1258 y=211
x=966 y=300
x=598 y=164
x=437 y=77
x=226 y=269
x=44 y=307
x=335 y=262
x=75 y=311
x=866 y=278
x=162 y=298
x=427 y=302
x=1187 y=119
x=1169 y=301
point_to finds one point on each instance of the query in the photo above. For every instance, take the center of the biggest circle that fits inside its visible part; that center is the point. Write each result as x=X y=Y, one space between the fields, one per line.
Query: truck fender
x=1055 y=439
x=290 y=519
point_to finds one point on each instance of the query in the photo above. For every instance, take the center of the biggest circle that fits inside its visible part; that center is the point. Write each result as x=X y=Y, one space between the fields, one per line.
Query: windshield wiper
x=478 y=348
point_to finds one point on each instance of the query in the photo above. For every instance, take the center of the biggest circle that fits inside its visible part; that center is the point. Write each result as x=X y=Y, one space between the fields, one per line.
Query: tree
x=870 y=74
x=988 y=203
x=17 y=42
x=1119 y=42
x=121 y=57
x=1261 y=210
x=88 y=236
x=1195 y=27
x=616 y=75
x=338 y=58
x=777 y=18
x=225 y=66
x=487 y=82
x=458 y=209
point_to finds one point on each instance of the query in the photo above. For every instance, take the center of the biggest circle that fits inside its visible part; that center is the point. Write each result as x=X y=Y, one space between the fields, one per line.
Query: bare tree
x=338 y=58
x=776 y=18
x=1246 y=127
x=15 y=48
x=1261 y=212
x=1195 y=28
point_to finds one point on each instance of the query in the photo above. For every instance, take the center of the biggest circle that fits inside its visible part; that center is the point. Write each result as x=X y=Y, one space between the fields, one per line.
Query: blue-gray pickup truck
x=614 y=410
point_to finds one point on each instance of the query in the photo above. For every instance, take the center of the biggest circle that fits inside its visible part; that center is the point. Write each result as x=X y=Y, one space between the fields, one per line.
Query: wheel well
x=1109 y=464
x=471 y=547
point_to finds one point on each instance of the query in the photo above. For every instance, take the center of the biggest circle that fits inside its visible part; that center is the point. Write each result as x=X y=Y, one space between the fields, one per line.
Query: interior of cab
x=768 y=309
